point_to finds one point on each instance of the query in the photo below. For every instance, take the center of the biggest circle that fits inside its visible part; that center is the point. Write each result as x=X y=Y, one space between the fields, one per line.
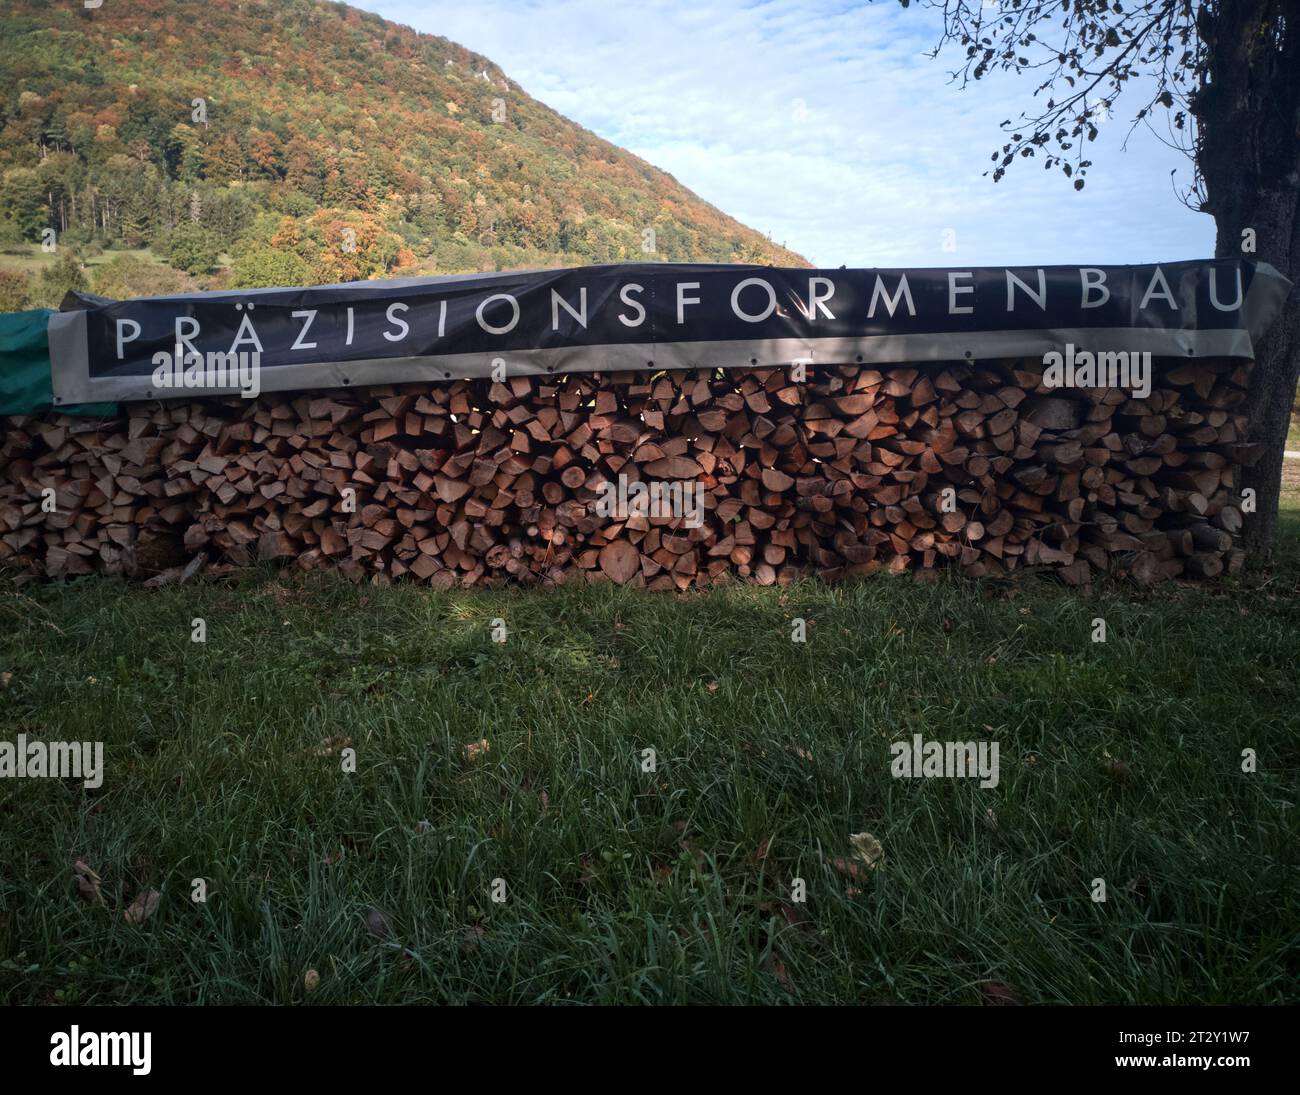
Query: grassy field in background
x=1119 y=760
x=35 y=260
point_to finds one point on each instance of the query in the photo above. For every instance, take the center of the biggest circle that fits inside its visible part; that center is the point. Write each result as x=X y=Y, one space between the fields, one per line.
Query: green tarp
x=25 y=367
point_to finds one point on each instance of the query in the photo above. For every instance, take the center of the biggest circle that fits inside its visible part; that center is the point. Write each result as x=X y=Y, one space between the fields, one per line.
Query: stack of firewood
x=844 y=471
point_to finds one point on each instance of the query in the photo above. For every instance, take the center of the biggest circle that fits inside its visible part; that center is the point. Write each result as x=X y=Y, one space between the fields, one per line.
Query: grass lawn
x=35 y=260
x=1120 y=760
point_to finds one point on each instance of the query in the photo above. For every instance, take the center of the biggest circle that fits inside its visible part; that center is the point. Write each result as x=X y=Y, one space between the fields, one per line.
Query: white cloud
x=827 y=127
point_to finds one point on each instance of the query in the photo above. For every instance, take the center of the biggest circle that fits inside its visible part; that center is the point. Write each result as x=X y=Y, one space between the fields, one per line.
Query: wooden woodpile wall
x=841 y=474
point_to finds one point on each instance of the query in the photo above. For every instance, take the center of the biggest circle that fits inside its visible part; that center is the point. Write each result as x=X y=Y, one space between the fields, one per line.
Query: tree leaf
x=997 y=995
x=377 y=923
x=867 y=849
x=1116 y=769
x=87 y=883
x=143 y=907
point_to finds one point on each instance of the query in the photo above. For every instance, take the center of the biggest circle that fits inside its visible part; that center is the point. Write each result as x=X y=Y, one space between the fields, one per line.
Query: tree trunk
x=1269 y=405
x=1248 y=117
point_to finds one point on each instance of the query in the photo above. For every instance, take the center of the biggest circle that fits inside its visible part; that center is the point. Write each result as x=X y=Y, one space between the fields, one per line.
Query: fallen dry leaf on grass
x=1139 y=887
x=779 y=971
x=1116 y=769
x=476 y=749
x=329 y=746
x=997 y=995
x=376 y=924
x=87 y=883
x=791 y=914
x=867 y=848
x=5 y=678
x=143 y=907
x=847 y=867
x=867 y=853
x=311 y=980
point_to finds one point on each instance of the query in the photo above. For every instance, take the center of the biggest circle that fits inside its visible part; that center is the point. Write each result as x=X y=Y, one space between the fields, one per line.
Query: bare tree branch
x=1102 y=49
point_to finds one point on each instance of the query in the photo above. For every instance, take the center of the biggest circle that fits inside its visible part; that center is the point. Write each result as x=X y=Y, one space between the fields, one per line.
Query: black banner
x=656 y=316
x=1226 y=1046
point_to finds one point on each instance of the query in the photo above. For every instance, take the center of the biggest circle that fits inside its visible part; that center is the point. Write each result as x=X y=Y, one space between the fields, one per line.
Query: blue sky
x=826 y=126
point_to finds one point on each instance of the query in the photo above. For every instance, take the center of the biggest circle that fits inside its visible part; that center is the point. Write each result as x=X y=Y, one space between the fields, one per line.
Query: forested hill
x=249 y=142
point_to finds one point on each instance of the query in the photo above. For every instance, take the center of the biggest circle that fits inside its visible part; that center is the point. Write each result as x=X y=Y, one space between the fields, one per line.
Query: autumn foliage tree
x=15 y=291
x=325 y=114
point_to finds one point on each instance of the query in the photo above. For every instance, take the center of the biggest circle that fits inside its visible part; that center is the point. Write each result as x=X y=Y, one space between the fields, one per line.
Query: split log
x=747 y=473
